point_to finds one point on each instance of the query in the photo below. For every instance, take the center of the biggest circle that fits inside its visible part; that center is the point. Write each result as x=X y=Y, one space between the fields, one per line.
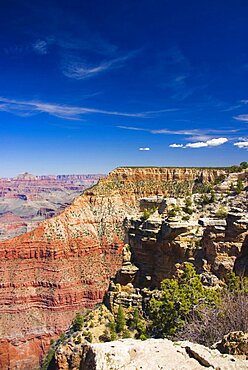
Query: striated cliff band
x=66 y=263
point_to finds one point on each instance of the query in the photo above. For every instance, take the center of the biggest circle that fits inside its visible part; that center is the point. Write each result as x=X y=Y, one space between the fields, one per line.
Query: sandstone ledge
x=131 y=354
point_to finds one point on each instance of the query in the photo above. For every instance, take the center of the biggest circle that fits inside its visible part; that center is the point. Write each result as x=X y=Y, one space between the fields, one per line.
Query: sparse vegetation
x=179 y=298
x=173 y=211
x=120 y=320
x=208 y=198
x=188 y=206
x=48 y=358
x=146 y=214
x=201 y=188
x=243 y=166
x=78 y=322
x=239 y=186
x=89 y=337
x=112 y=330
x=221 y=212
x=209 y=324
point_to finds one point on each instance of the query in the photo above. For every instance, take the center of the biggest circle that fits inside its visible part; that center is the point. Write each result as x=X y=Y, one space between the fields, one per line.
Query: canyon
x=68 y=261
x=27 y=200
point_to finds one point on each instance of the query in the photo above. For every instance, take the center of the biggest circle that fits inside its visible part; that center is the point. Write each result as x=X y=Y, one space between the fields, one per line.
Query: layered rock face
x=67 y=262
x=27 y=200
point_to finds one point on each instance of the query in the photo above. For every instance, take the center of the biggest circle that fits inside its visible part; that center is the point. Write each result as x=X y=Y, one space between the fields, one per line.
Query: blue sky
x=87 y=86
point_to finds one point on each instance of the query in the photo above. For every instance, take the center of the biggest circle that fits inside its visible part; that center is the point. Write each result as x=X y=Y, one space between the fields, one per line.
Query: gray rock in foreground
x=130 y=354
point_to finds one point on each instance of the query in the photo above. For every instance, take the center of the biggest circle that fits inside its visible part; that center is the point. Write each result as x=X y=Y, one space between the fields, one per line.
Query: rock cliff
x=66 y=263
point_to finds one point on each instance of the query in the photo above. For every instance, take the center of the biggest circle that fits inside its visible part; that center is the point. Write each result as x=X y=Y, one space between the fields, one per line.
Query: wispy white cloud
x=231 y=108
x=145 y=149
x=242 y=144
x=200 y=137
x=176 y=145
x=175 y=132
x=241 y=117
x=40 y=47
x=131 y=128
x=195 y=134
x=79 y=70
x=31 y=107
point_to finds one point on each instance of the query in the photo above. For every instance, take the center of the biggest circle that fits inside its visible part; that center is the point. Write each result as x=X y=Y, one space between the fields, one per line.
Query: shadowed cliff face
x=66 y=263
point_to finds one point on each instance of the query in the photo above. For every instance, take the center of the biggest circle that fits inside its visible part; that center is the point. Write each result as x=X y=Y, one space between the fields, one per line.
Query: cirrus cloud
x=40 y=47
x=241 y=117
x=25 y=108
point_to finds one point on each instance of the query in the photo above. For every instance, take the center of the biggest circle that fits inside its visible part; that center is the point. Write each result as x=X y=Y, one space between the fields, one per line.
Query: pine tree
x=120 y=320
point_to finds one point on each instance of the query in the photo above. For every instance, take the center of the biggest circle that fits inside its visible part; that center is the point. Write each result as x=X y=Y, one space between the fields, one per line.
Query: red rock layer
x=65 y=264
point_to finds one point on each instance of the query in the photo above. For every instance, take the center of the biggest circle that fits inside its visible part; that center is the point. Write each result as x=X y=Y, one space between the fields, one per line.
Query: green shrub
x=239 y=186
x=186 y=218
x=78 y=322
x=143 y=337
x=62 y=337
x=135 y=319
x=89 y=337
x=236 y=284
x=188 y=206
x=113 y=336
x=219 y=179
x=126 y=334
x=146 y=214
x=221 y=212
x=212 y=197
x=200 y=187
x=112 y=330
x=78 y=340
x=178 y=298
x=207 y=198
x=141 y=329
x=48 y=359
x=244 y=165
x=173 y=211
x=188 y=210
x=235 y=168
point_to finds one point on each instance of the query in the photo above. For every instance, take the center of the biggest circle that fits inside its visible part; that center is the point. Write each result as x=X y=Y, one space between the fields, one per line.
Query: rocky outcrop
x=224 y=247
x=66 y=263
x=234 y=343
x=130 y=354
